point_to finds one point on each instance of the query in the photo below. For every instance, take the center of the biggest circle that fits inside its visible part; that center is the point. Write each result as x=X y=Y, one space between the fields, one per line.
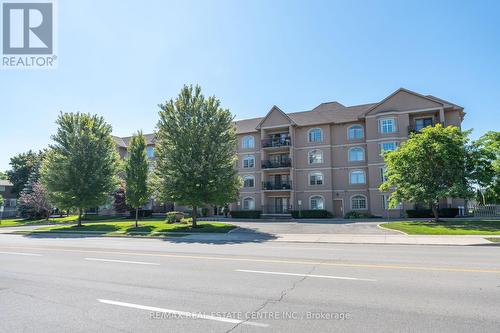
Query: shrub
x=187 y=220
x=311 y=214
x=424 y=213
x=246 y=214
x=357 y=215
x=174 y=216
x=142 y=213
x=205 y=211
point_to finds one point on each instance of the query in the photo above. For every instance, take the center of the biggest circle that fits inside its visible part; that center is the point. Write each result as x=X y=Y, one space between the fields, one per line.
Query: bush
x=357 y=215
x=142 y=213
x=311 y=214
x=205 y=211
x=187 y=220
x=174 y=216
x=246 y=214
x=424 y=213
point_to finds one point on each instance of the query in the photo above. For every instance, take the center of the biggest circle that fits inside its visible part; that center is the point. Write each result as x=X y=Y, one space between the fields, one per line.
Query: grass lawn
x=450 y=227
x=21 y=222
x=127 y=228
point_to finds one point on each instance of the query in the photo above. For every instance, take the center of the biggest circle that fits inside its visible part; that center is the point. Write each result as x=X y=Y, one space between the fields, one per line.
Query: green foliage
x=485 y=158
x=174 y=216
x=120 y=204
x=423 y=213
x=22 y=166
x=195 y=151
x=186 y=220
x=311 y=214
x=246 y=214
x=3 y=176
x=357 y=215
x=80 y=169
x=136 y=172
x=430 y=165
x=1 y=200
x=35 y=204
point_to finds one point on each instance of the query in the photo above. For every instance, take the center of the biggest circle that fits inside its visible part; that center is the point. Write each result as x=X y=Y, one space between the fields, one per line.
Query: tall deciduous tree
x=22 y=166
x=136 y=174
x=36 y=202
x=196 y=151
x=486 y=158
x=3 y=176
x=429 y=166
x=80 y=169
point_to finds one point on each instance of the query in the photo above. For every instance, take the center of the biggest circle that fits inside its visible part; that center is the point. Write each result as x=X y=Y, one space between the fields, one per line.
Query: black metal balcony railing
x=283 y=163
x=415 y=129
x=274 y=185
x=277 y=142
x=277 y=209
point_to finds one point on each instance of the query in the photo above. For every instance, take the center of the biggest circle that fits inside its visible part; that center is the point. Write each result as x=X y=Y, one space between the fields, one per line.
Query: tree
x=22 y=166
x=429 y=166
x=196 y=152
x=1 y=200
x=485 y=153
x=79 y=170
x=136 y=174
x=36 y=202
x=24 y=207
x=3 y=176
x=120 y=203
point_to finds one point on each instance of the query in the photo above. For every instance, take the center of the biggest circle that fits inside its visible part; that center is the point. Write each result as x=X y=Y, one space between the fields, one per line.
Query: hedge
x=246 y=214
x=142 y=213
x=424 y=213
x=311 y=214
x=357 y=215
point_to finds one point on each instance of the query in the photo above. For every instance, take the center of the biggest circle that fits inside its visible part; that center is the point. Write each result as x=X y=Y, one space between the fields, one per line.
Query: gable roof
x=274 y=109
x=405 y=91
x=123 y=142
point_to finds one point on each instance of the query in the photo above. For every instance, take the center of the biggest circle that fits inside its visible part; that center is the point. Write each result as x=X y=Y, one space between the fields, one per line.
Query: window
x=358 y=202
x=150 y=151
x=357 y=177
x=356 y=154
x=388 y=146
x=315 y=156
x=316 y=178
x=355 y=132
x=248 y=204
x=315 y=135
x=248 y=181
x=316 y=202
x=2 y=188
x=387 y=125
x=248 y=142
x=422 y=122
x=385 y=203
x=383 y=176
x=249 y=161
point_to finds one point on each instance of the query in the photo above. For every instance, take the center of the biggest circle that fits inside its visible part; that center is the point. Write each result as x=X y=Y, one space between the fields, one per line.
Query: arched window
x=248 y=181
x=248 y=142
x=315 y=135
x=249 y=161
x=357 y=177
x=315 y=156
x=316 y=178
x=355 y=132
x=356 y=154
x=316 y=202
x=358 y=202
x=249 y=203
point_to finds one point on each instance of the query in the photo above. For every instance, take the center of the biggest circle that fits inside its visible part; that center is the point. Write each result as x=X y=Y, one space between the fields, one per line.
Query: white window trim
x=380 y=145
x=357 y=170
x=309 y=155
x=362 y=132
x=317 y=196
x=387 y=118
x=309 y=134
x=358 y=195
x=243 y=203
x=248 y=176
x=248 y=137
x=316 y=173
x=243 y=162
x=349 y=154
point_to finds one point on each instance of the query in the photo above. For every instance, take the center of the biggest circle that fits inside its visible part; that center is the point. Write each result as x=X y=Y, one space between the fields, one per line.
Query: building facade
x=9 y=208
x=330 y=157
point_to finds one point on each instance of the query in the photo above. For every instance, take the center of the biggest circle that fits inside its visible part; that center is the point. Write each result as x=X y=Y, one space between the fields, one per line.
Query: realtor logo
x=28 y=34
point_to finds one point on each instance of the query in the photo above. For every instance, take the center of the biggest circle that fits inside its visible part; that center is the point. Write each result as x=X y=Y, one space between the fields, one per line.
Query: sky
x=120 y=59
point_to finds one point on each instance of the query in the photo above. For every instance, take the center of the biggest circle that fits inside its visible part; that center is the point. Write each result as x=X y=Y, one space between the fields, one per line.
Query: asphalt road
x=90 y=284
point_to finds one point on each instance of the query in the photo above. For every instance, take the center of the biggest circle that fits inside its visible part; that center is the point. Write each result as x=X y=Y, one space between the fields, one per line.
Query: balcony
x=277 y=186
x=415 y=129
x=272 y=164
x=277 y=142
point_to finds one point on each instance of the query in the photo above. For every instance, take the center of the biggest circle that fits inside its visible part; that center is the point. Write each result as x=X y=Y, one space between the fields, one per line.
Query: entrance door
x=280 y=205
x=338 y=208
